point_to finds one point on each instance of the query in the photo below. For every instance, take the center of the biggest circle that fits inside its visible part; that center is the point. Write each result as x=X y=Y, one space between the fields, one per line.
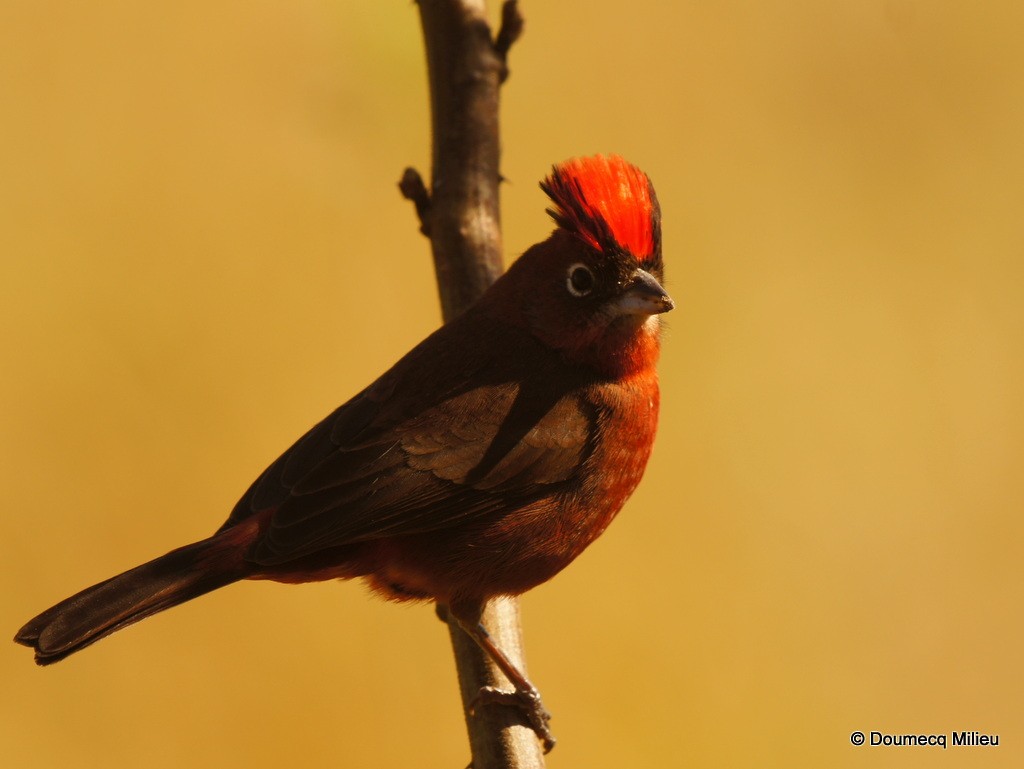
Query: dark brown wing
x=417 y=451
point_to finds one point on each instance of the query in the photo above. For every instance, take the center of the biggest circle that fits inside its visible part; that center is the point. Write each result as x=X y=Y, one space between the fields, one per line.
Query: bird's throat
x=626 y=347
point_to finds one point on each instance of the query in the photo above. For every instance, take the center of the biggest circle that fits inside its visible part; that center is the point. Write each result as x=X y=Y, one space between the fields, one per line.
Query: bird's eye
x=580 y=281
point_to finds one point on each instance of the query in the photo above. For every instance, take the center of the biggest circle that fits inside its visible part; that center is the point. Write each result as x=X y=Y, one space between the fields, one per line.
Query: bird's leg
x=525 y=696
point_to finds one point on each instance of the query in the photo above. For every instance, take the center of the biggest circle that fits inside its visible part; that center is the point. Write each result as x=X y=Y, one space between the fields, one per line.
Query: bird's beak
x=643 y=296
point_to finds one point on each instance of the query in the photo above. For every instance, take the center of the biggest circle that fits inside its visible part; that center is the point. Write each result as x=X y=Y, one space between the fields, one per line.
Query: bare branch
x=461 y=217
x=465 y=226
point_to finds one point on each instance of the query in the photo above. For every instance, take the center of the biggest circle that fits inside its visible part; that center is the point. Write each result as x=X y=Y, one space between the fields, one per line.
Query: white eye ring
x=580 y=280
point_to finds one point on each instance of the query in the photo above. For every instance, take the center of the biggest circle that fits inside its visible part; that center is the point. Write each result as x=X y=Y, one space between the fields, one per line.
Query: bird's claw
x=527 y=701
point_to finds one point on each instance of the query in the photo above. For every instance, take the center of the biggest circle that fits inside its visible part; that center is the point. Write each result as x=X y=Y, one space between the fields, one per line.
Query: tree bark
x=465 y=72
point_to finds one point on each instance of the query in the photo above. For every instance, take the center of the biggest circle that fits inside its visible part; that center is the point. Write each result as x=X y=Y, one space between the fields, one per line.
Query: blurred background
x=198 y=209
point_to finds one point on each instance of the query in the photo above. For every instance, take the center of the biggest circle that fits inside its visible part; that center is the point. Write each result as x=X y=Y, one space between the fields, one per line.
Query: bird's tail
x=97 y=611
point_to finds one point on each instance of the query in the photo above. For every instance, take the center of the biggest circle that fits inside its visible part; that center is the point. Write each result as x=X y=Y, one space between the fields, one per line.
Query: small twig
x=412 y=188
x=511 y=28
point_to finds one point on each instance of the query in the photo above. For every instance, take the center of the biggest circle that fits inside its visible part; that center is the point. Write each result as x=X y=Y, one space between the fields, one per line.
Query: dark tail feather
x=98 y=611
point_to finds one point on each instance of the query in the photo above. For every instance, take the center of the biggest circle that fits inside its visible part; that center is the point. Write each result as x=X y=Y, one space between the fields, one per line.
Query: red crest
x=608 y=203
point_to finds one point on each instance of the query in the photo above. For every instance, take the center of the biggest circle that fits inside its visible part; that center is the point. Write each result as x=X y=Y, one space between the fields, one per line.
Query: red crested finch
x=479 y=465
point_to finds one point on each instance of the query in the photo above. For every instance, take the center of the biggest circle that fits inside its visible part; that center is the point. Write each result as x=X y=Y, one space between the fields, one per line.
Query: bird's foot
x=527 y=701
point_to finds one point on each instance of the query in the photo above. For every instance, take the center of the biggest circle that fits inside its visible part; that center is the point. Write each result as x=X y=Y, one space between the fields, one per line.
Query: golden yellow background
x=203 y=251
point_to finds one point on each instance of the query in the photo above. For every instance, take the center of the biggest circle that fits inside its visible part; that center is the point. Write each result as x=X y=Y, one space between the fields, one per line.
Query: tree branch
x=461 y=217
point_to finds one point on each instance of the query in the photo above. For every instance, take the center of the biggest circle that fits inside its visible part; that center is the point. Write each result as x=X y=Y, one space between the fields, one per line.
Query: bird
x=480 y=465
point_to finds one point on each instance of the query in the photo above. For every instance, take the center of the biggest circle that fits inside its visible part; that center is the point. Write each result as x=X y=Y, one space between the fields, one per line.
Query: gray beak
x=643 y=296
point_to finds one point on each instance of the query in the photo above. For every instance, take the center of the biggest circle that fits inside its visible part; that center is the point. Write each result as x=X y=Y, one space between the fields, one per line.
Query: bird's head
x=593 y=289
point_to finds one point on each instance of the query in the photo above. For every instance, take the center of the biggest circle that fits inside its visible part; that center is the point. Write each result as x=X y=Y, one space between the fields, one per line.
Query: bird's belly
x=507 y=556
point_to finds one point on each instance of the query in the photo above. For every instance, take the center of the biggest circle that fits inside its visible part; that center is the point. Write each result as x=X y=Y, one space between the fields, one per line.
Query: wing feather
x=417 y=451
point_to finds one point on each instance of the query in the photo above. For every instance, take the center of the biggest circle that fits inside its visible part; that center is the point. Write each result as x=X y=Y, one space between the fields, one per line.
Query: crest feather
x=608 y=203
